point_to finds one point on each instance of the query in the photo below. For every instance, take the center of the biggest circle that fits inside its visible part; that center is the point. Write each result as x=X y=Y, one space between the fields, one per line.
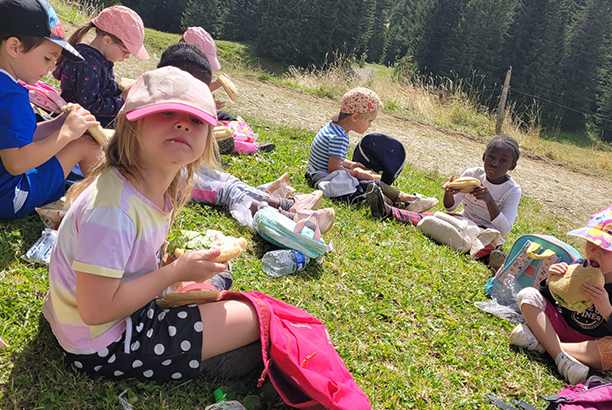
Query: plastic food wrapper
x=41 y=250
x=503 y=301
x=53 y=213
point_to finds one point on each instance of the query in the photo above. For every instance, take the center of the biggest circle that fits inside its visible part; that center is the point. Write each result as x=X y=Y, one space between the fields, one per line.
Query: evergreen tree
x=407 y=26
x=377 y=45
x=242 y=19
x=475 y=45
x=579 y=80
x=603 y=117
x=535 y=48
x=163 y=15
x=438 y=31
x=353 y=26
x=208 y=14
x=297 y=32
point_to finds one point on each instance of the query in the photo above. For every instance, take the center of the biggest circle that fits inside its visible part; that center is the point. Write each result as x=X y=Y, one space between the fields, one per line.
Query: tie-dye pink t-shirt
x=111 y=230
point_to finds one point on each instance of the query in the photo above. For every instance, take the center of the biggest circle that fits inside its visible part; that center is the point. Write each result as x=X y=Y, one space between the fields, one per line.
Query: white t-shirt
x=506 y=195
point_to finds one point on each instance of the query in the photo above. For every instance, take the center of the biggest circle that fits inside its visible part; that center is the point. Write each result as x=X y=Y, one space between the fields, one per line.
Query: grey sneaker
x=496 y=259
x=422 y=203
x=524 y=338
x=571 y=369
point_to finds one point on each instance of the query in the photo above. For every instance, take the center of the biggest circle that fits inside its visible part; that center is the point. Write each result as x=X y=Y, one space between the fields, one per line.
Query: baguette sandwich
x=228 y=86
x=182 y=241
x=96 y=132
x=465 y=185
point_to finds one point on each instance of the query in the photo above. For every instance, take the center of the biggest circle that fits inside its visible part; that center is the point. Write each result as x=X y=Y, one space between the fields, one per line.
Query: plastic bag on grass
x=41 y=250
x=503 y=301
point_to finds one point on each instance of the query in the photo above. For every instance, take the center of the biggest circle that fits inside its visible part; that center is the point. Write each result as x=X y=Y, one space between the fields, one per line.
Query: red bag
x=300 y=359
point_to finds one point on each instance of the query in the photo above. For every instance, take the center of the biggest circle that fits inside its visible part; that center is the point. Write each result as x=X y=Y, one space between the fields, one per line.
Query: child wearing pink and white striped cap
x=92 y=84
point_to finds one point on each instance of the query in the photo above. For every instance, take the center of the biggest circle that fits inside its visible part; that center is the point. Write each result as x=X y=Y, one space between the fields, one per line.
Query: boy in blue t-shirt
x=334 y=174
x=35 y=158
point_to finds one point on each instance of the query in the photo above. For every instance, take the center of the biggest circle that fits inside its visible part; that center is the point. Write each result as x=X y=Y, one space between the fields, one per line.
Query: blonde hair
x=122 y=154
x=370 y=115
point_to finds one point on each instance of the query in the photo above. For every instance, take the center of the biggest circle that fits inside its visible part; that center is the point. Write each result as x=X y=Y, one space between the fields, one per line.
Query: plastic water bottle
x=283 y=262
x=223 y=404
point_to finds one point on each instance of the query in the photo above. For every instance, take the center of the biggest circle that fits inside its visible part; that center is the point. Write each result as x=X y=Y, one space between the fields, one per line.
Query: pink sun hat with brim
x=125 y=24
x=169 y=89
x=598 y=230
x=201 y=38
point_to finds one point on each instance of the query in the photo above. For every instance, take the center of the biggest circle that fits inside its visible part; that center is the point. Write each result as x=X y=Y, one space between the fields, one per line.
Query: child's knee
x=532 y=297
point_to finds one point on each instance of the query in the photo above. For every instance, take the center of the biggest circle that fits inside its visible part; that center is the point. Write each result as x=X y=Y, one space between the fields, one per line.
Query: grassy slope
x=398 y=307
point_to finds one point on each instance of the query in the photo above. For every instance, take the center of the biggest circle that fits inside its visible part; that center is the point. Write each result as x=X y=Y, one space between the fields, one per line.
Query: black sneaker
x=267 y=147
x=376 y=201
x=226 y=146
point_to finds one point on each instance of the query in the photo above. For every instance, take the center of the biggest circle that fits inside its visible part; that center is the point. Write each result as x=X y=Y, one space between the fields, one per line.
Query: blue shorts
x=44 y=184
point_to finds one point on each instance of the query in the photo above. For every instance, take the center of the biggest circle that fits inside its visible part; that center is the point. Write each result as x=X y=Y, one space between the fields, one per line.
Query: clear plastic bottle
x=283 y=262
x=223 y=404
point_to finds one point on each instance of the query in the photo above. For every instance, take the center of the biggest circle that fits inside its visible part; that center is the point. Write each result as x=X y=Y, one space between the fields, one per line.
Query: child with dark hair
x=217 y=188
x=187 y=57
x=35 y=158
x=492 y=205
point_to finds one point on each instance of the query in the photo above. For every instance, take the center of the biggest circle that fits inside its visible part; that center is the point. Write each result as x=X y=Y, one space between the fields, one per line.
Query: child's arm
x=482 y=194
x=449 y=195
x=336 y=163
x=103 y=299
x=22 y=159
x=88 y=90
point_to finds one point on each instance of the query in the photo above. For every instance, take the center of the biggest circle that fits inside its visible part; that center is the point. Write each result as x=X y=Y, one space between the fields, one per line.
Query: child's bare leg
x=227 y=325
x=84 y=151
x=586 y=352
x=542 y=329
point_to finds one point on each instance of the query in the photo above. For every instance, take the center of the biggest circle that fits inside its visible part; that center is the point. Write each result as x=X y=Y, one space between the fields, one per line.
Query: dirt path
x=561 y=191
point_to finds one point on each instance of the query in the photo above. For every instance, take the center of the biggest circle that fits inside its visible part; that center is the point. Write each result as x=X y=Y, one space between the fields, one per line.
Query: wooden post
x=501 y=108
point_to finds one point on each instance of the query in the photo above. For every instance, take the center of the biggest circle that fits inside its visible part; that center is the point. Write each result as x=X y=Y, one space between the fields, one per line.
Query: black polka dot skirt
x=158 y=344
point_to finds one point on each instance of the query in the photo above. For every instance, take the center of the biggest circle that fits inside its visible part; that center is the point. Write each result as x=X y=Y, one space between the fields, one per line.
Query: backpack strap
x=299 y=227
x=499 y=403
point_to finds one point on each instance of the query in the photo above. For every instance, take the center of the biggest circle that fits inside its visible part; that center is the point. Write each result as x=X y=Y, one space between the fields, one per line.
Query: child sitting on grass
x=104 y=274
x=492 y=205
x=328 y=166
x=217 y=188
x=119 y=34
x=36 y=158
x=577 y=341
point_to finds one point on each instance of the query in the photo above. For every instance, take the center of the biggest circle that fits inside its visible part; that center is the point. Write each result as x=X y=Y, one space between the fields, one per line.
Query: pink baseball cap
x=169 y=89
x=124 y=23
x=199 y=37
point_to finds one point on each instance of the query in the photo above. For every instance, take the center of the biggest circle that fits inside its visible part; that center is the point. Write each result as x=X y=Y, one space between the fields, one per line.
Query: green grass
x=398 y=307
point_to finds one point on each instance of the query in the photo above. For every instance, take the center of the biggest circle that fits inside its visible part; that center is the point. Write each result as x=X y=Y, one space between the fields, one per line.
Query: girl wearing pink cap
x=105 y=274
x=92 y=84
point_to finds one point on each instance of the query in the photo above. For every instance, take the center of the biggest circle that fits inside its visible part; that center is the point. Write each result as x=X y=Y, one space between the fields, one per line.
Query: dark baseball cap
x=35 y=18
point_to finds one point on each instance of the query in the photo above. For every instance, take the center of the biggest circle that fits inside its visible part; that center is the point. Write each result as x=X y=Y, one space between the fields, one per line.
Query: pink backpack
x=244 y=136
x=300 y=358
x=45 y=97
x=592 y=394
